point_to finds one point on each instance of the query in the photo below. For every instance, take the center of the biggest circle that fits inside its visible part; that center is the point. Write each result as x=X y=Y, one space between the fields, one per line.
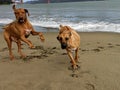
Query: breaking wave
x=84 y=26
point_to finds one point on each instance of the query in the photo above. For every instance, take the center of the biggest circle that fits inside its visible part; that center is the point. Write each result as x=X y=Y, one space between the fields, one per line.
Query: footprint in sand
x=96 y=50
x=110 y=45
x=43 y=53
x=100 y=47
x=84 y=50
x=4 y=49
x=117 y=44
x=90 y=86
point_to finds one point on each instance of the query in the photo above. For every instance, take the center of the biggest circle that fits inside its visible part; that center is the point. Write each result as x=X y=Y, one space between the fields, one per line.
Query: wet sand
x=46 y=66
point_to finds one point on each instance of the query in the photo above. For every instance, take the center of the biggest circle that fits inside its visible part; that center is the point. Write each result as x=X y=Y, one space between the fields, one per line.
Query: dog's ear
x=61 y=26
x=27 y=12
x=13 y=7
x=61 y=29
x=68 y=28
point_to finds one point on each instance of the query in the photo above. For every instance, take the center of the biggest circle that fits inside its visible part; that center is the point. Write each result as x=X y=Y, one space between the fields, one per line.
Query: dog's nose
x=63 y=45
x=21 y=18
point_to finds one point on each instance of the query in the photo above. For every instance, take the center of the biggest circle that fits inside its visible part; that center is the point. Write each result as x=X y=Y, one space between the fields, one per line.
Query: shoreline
x=55 y=30
x=46 y=67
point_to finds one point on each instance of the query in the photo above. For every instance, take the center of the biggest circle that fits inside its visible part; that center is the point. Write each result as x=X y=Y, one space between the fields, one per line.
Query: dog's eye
x=16 y=12
x=60 y=39
x=66 y=39
x=57 y=38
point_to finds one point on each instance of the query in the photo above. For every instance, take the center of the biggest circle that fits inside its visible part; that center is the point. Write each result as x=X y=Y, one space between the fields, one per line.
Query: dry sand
x=46 y=67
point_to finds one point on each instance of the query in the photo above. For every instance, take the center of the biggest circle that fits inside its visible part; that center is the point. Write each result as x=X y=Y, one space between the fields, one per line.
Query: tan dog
x=70 y=41
x=19 y=30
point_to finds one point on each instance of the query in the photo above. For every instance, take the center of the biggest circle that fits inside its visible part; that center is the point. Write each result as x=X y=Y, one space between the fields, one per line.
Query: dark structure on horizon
x=10 y=1
x=5 y=1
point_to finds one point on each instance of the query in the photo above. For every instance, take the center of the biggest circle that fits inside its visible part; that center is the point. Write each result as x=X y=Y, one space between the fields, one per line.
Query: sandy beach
x=46 y=66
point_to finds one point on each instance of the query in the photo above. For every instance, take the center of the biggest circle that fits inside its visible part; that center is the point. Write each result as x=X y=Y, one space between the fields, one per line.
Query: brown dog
x=70 y=41
x=19 y=30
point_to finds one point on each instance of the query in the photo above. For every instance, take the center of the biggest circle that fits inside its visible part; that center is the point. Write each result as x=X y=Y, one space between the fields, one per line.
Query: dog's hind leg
x=77 y=55
x=9 y=43
x=19 y=49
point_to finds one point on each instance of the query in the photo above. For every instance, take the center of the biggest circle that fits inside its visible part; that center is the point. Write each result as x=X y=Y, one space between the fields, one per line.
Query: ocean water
x=89 y=16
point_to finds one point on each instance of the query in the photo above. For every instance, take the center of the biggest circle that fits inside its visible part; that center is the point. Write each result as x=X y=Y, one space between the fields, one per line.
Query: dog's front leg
x=33 y=32
x=19 y=49
x=9 y=43
x=41 y=37
x=74 y=65
x=77 y=55
x=27 y=41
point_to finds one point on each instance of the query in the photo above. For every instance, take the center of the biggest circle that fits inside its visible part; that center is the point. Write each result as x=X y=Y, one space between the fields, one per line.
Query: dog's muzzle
x=63 y=45
x=21 y=20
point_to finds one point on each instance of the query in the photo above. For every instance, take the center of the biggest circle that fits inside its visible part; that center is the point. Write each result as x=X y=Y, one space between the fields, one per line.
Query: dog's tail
x=5 y=27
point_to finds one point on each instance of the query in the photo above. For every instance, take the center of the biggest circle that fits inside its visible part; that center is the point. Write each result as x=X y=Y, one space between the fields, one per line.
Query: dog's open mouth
x=21 y=20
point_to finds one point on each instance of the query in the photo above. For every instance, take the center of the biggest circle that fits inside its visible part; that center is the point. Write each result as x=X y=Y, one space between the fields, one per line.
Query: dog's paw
x=74 y=67
x=74 y=75
x=41 y=37
x=78 y=61
x=12 y=57
x=42 y=40
x=32 y=47
x=23 y=56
